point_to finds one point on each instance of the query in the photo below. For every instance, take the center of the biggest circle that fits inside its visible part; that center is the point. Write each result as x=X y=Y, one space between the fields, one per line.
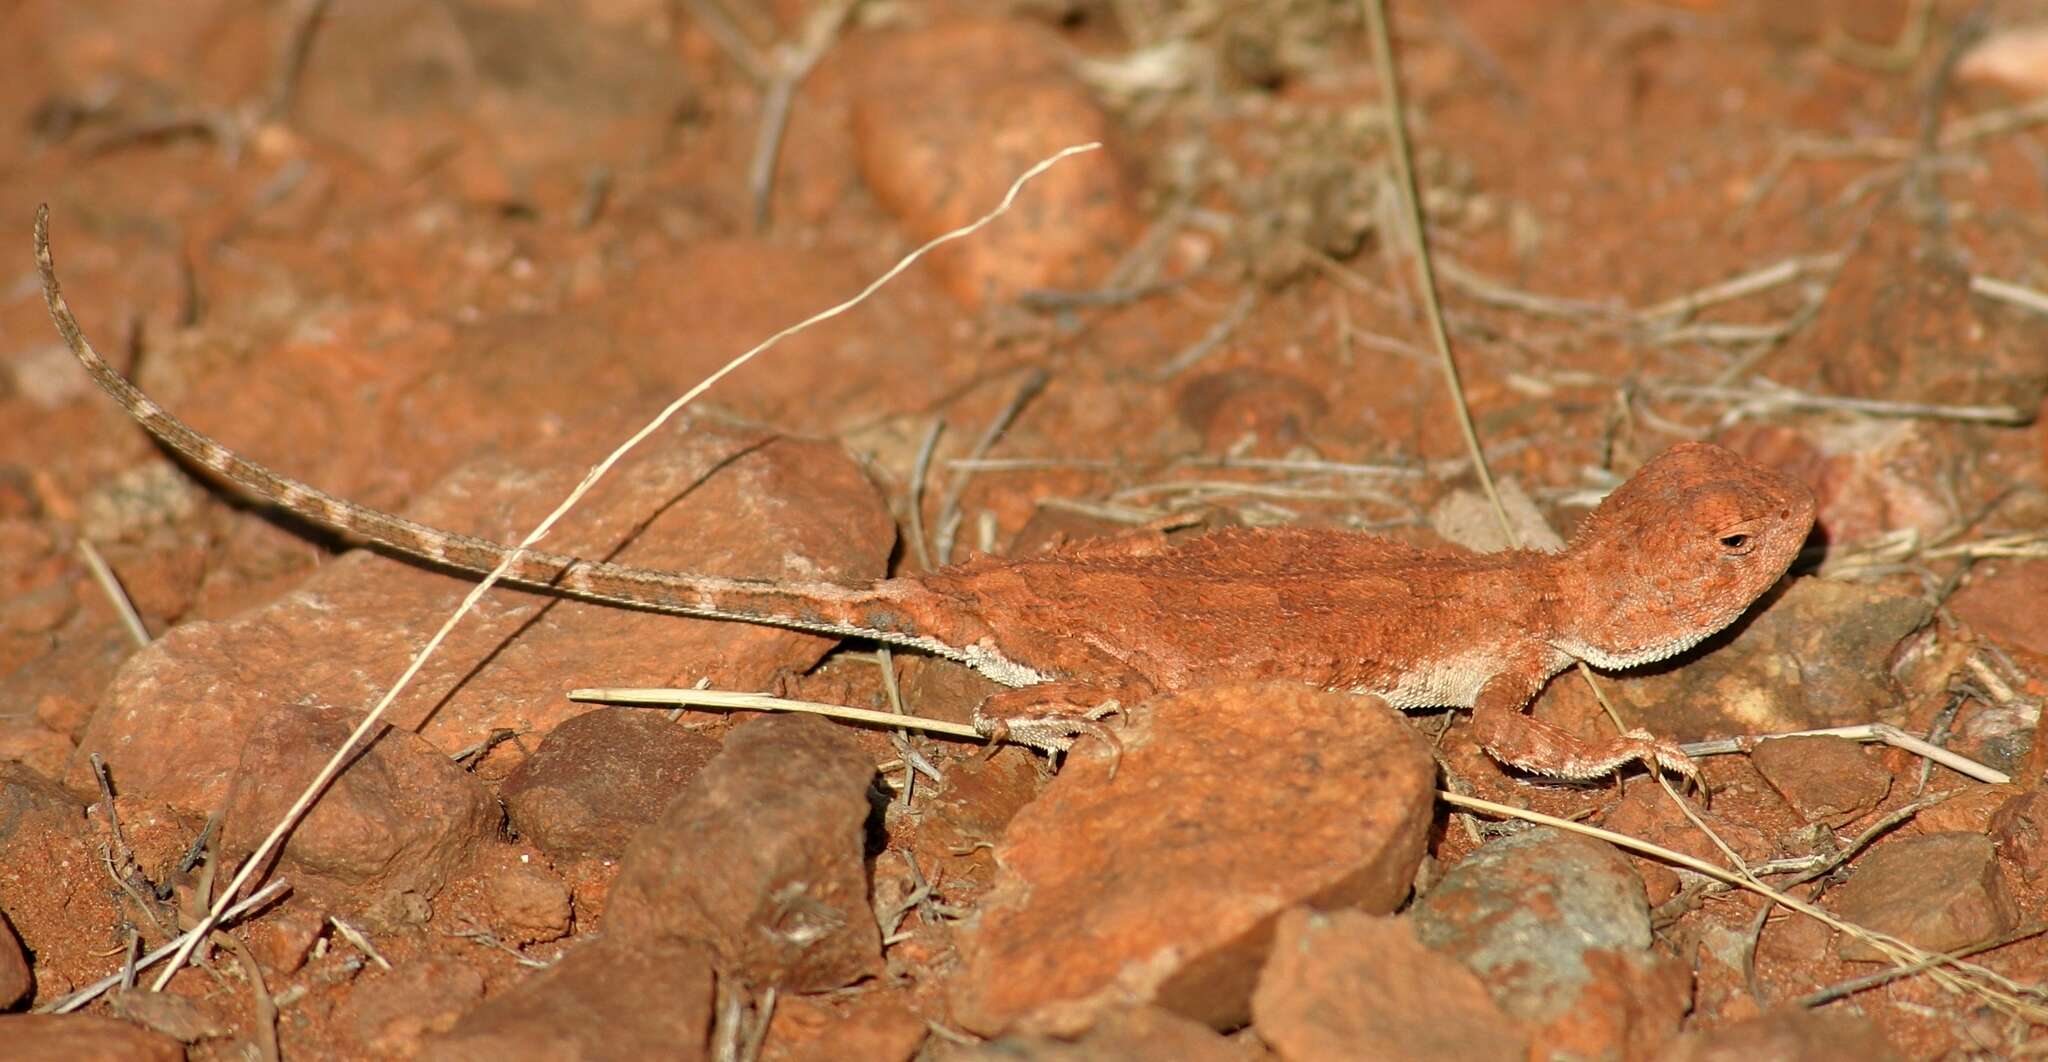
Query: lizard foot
x=1054 y=732
x=1541 y=748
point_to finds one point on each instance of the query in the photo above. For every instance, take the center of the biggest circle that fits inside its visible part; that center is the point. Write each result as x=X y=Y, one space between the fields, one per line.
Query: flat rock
x=609 y=998
x=392 y=1012
x=43 y=827
x=1814 y=654
x=83 y=1038
x=1824 y=778
x=2002 y=602
x=763 y=859
x=1938 y=891
x=945 y=116
x=697 y=497
x=1118 y=1034
x=1557 y=927
x=871 y=1026
x=1162 y=884
x=1344 y=985
x=598 y=778
x=1791 y=1035
x=1646 y=812
x=395 y=824
x=527 y=903
x=2019 y=829
x=181 y=1018
x=526 y=99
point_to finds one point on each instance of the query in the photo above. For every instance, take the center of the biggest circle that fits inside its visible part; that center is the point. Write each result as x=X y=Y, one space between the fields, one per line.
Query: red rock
x=610 y=998
x=977 y=799
x=1815 y=655
x=1939 y=891
x=15 y=978
x=2002 y=602
x=700 y=304
x=170 y=724
x=52 y=880
x=1973 y=809
x=762 y=858
x=1792 y=1035
x=2019 y=829
x=1825 y=779
x=283 y=937
x=37 y=747
x=947 y=115
x=528 y=903
x=599 y=777
x=1173 y=877
x=1557 y=927
x=1346 y=985
x=393 y=1012
x=398 y=822
x=1646 y=812
x=83 y=1038
x=873 y=1027
x=179 y=1017
x=1276 y=413
x=1120 y=1034
x=527 y=100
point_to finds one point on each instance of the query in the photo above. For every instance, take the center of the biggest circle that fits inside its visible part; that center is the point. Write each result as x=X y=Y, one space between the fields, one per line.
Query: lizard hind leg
x=1052 y=716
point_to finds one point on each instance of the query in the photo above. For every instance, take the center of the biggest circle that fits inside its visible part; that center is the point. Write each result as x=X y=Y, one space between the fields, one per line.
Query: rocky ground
x=440 y=257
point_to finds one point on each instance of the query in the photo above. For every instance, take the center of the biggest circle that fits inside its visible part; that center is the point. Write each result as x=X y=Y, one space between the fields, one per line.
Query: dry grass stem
x=110 y=584
x=1210 y=340
x=949 y=503
x=1882 y=732
x=919 y=471
x=762 y=702
x=2005 y=291
x=1766 y=397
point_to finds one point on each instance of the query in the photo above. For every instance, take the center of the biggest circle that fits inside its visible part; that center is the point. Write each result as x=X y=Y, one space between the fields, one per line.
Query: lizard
x=1673 y=555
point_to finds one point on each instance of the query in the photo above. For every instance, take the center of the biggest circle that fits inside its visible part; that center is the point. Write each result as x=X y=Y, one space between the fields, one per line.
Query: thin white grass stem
x=1884 y=732
x=761 y=702
x=476 y=593
x=124 y=608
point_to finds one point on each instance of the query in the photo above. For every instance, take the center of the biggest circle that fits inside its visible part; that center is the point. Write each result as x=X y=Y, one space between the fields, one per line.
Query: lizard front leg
x=1516 y=739
x=1051 y=716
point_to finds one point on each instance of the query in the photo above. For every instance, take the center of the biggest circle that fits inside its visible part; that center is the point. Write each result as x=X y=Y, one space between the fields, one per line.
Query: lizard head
x=1677 y=553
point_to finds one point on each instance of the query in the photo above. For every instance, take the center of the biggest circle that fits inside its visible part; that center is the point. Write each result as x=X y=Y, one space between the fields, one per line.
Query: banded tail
x=871 y=611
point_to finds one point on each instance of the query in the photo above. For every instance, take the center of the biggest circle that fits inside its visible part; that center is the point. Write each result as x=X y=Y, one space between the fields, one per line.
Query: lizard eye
x=1738 y=543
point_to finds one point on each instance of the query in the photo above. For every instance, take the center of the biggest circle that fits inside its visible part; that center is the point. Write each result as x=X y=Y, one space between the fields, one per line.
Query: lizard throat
x=1607 y=660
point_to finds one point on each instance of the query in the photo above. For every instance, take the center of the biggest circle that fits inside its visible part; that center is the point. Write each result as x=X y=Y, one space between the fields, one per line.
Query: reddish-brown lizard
x=1673 y=555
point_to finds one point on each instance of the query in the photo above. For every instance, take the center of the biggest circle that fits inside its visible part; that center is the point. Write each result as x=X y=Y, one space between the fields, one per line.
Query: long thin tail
x=872 y=611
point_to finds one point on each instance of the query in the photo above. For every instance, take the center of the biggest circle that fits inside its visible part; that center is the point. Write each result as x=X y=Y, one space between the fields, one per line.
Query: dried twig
x=762 y=702
x=110 y=584
x=949 y=504
x=1883 y=732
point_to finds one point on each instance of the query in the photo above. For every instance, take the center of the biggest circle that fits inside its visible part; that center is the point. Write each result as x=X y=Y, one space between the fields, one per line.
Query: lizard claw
x=1055 y=734
x=1656 y=753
